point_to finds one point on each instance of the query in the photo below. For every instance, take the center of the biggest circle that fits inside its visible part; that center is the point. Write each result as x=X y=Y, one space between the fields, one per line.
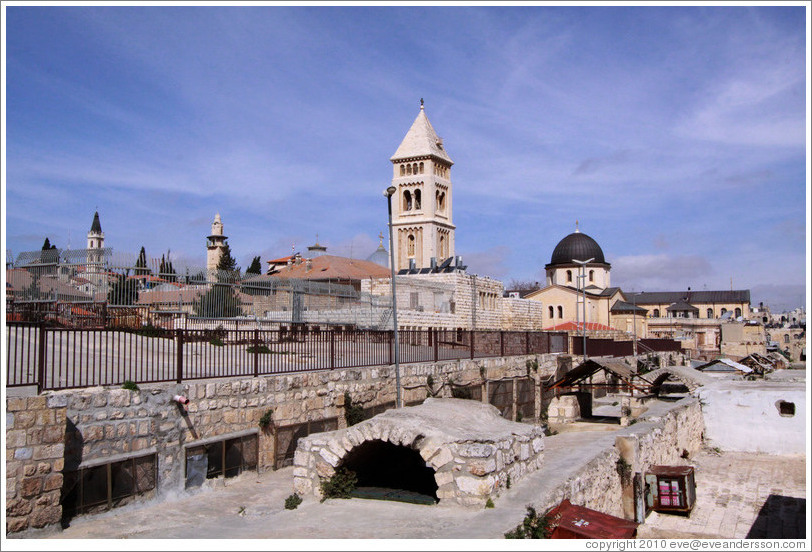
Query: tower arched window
x=560 y=311
x=552 y=312
x=414 y=168
x=407 y=200
x=569 y=275
x=724 y=311
x=443 y=247
x=402 y=170
x=410 y=245
x=417 y=198
x=421 y=167
x=440 y=201
x=408 y=169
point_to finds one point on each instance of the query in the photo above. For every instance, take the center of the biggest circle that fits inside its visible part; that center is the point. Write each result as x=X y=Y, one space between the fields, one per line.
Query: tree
x=522 y=285
x=219 y=302
x=47 y=245
x=124 y=291
x=167 y=271
x=256 y=266
x=141 y=263
x=227 y=262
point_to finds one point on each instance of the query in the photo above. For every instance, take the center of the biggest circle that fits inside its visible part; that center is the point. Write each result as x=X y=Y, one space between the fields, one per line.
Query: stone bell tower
x=215 y=243
x=421 y=207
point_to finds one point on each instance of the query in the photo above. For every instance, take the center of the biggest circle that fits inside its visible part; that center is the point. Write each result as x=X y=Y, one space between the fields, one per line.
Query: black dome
x=577 y=246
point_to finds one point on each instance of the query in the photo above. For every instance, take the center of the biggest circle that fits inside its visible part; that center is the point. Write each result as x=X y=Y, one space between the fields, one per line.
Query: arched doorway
x=380 y=464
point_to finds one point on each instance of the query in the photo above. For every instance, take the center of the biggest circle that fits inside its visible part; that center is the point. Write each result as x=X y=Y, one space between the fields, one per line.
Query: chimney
x=433 y=263
x=309 y=264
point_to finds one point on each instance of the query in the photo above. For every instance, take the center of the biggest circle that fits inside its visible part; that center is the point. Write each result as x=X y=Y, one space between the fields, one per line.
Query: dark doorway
x=379 y=464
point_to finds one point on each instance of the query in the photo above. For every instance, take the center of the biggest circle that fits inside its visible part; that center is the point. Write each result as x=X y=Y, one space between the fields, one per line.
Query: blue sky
x=675 y=135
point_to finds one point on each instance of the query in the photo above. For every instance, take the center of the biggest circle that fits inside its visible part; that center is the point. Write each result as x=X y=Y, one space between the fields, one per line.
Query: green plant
x=292 y=502
x=353 y=413
x=507 y=482
x=519 y=416
x=129 y=384
x=216 y=341
x=532 y=364
x=259 y=349
x=266 y=419
x=241 y=511
x=430 y=381
x=533 y=526
x=340 y=485
x=489 y=503
x=548 y=432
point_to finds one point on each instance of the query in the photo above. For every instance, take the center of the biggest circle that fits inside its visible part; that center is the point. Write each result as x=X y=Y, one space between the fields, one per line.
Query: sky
x=675 y=135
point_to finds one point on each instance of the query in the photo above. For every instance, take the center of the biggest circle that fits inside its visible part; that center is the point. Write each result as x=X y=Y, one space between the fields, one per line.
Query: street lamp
x=388 y=193
x=582 y=277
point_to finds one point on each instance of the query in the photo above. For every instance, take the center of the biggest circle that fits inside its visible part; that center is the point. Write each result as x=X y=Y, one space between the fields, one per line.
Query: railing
x=610 y=347
x=59 y=358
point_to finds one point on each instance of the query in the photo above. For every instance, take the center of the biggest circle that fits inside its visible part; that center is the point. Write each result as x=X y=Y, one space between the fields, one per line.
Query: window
x=591 y=275
x=408 y=169
x=402 y=170
x=724 y=311
x=786 y=408
x=443 y=248
x=710 y=313
x=560 y=312
x=786 y=338
x=656 y=313
x=421 y=167
x=106 y=486
x=569 y=275
x=410 y=245
x=413 y=300
x=407 y=200
x=417 y=199
x=738 y=312
x=552 y=312
x=440 y=201
x=228 y=458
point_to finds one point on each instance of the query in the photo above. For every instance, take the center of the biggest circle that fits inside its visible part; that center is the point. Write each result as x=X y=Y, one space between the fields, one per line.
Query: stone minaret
x=215 y=243
x=421 y=207
x=95 y=245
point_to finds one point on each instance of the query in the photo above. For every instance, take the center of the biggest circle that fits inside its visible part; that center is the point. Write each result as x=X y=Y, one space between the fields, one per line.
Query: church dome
x=577 y=246
x=380 y=256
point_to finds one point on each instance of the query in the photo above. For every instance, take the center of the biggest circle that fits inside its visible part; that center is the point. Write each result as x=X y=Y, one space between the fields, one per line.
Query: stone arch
x=407 y=200
x=658 y=377
x=381 y=463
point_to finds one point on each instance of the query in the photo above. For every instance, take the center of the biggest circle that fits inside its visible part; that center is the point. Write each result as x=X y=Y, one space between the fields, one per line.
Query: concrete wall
x=745 y=417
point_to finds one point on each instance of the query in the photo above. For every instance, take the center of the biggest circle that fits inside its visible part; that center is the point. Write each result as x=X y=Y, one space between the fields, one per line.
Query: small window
x=786 y=408
x=402 y=170
x=738 y=312
x=710 y=313
x=421 y=167
x=591 y=275
x=724 y=311
x=552 y=312
x=561 y=312
x=569 y=275
x=410 y=247
x=656 y=313
x=407 y=200
x=417 y=196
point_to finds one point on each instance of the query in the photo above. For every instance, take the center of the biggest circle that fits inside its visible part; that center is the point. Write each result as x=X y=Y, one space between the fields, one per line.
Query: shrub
x=340 y=485
x=353 y=413
x=216 y=341
x=266 y=419
x=292 y=502
x=129 y=384
x=489 y=503
x=259 y=349
x=532 y=527
x=507 y=483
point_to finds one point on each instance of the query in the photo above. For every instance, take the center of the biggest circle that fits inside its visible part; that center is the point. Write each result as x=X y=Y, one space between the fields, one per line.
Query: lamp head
x=389 y=191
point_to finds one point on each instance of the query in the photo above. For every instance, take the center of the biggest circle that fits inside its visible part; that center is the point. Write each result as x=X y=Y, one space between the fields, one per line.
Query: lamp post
x=582 y=276
x=389 y=192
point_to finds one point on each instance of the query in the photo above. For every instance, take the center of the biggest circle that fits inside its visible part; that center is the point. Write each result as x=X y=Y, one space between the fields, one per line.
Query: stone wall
x=35 y=436
x=71 y=429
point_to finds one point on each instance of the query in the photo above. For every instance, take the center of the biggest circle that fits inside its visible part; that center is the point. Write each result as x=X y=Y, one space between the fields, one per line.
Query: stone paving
x=740 y=495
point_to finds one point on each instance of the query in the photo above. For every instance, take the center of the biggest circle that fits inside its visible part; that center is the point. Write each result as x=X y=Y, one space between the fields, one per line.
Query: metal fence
x=610 y=347
x=62 y=358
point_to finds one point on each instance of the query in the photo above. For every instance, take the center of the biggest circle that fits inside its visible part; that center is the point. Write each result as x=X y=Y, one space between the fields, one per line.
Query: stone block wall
x=35 y=437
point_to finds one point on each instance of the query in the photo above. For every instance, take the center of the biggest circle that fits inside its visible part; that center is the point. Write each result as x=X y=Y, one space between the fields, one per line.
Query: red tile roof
x=331 y=267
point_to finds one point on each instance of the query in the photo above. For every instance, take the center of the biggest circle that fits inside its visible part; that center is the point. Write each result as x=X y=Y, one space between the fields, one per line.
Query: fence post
x=391 y=339
x=41 y=357
x=436 y=348
x=179 y=354
x=256 y=352
x=332 y=349
x=527 y=343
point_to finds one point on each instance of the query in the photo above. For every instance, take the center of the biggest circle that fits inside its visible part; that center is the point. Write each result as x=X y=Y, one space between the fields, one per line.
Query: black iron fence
x=64 y=358
x=610 y=347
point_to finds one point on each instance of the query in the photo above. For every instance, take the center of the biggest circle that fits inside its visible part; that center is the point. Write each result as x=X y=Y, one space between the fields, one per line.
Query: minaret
x=421 y=207
x=95 y=245
x=215 y=243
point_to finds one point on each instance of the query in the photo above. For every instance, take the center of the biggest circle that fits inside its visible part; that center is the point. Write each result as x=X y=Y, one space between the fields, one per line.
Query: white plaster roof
x=727 y=361
x=421 y=141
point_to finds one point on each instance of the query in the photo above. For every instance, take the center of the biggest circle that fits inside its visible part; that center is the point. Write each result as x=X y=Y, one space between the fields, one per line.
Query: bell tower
x=421 y=207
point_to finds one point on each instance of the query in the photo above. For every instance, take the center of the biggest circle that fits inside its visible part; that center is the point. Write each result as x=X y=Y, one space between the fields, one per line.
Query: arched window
x=402 y=170
x=552 y=312
x=408 y=169
x=656 y=313
x=710 y=313
x=738 y=312
x=724 y=311
x=414 y=168
x=410 y=246
x=440 y=201
x=569 y=275
x=421 y=167
x=443 y=246
x=786 y=338
x=417 y=195
x=591 y=275
x=560 y=312
x=407 y=200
